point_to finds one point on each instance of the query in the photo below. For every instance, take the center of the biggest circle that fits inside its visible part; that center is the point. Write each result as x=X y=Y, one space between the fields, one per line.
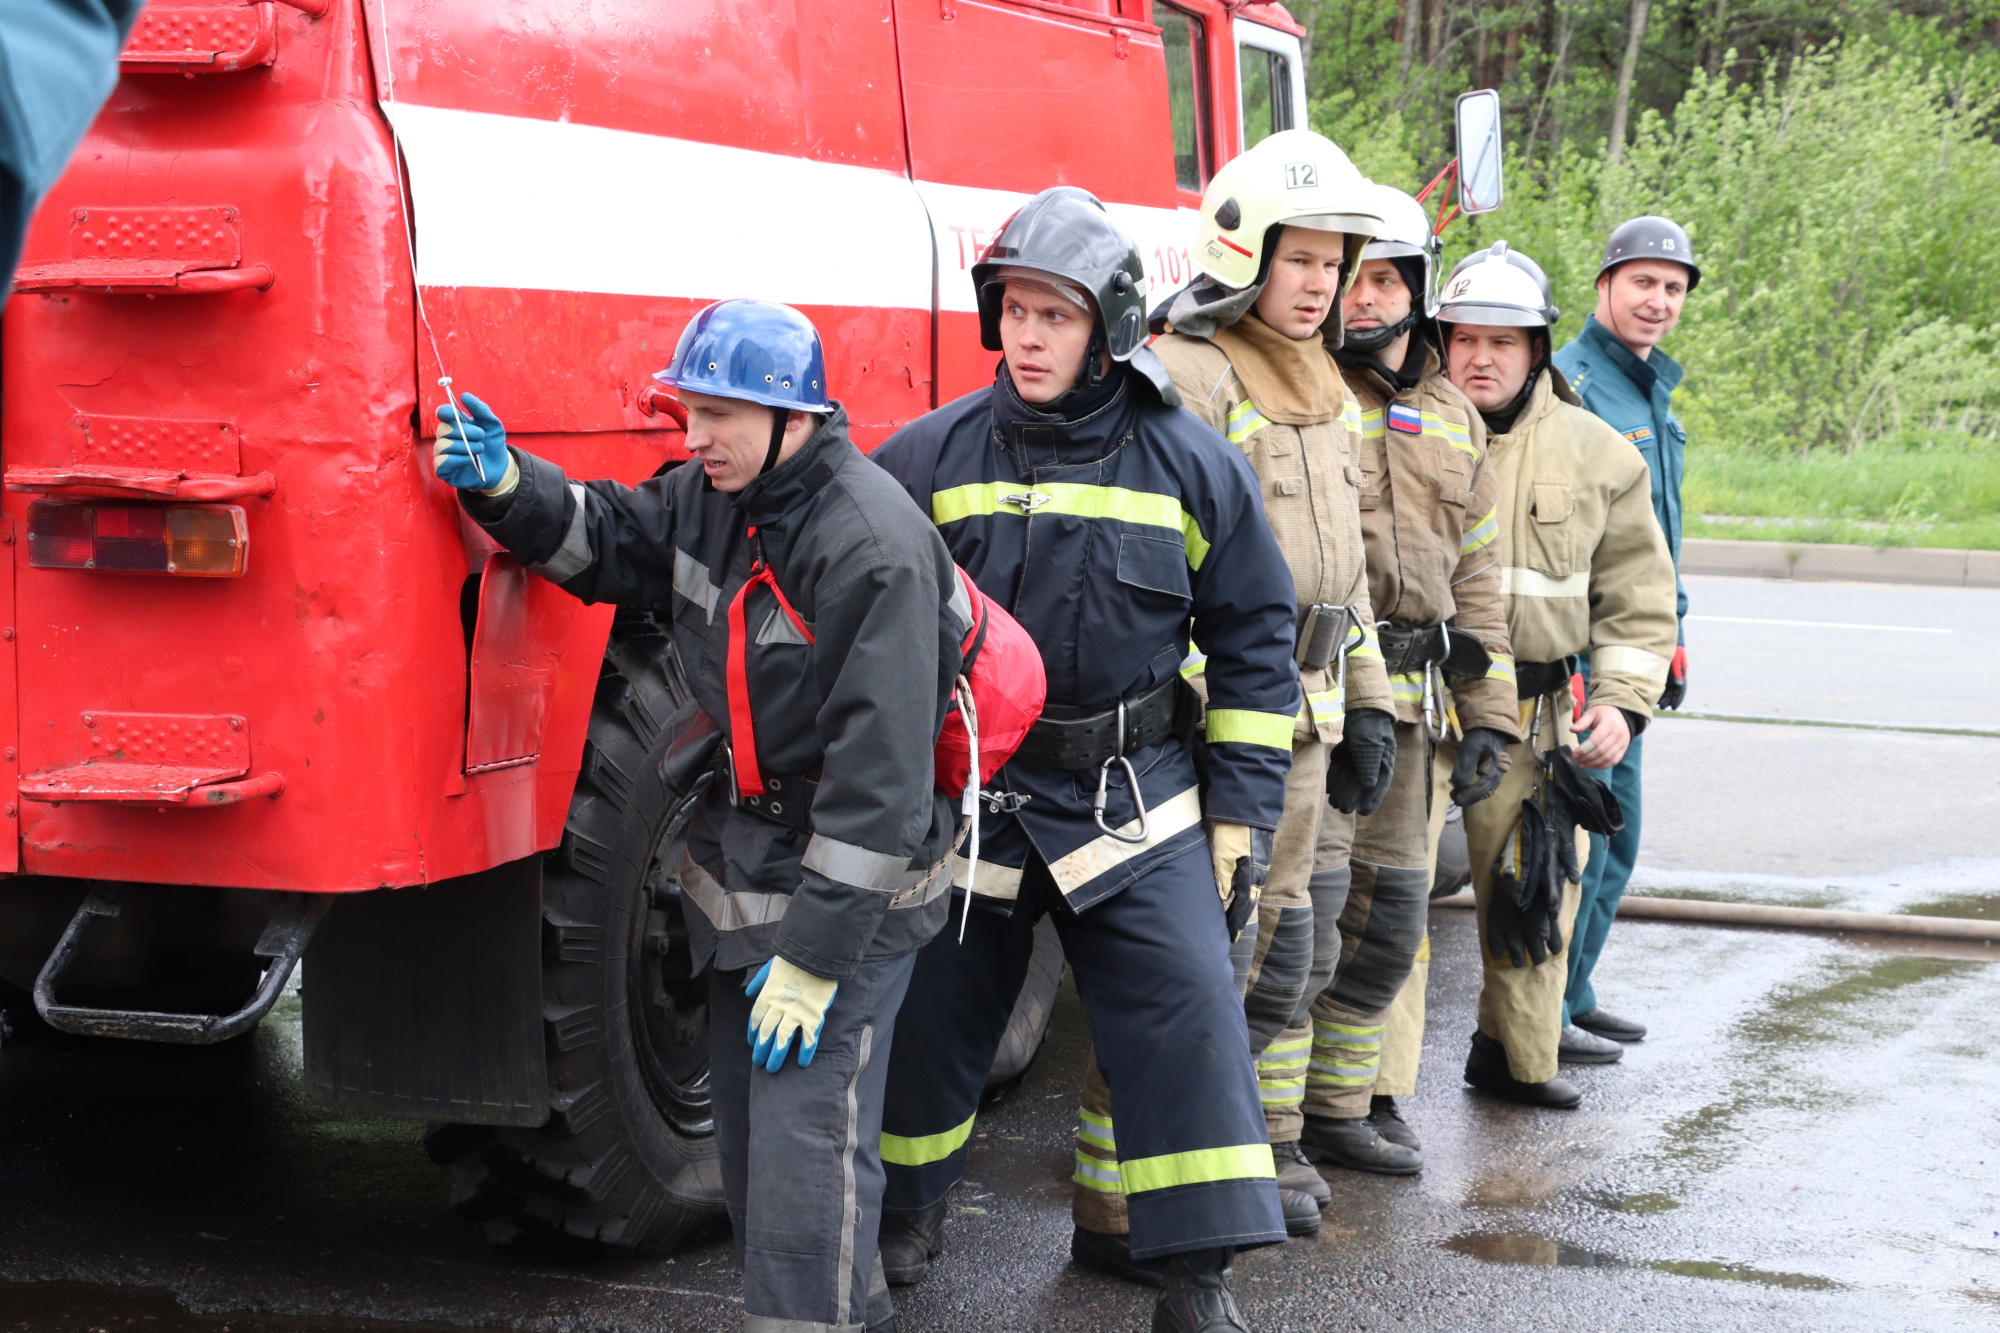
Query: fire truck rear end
x=264 y=694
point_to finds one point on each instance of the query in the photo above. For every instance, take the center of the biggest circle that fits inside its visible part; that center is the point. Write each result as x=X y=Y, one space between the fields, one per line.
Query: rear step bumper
x=283 y=940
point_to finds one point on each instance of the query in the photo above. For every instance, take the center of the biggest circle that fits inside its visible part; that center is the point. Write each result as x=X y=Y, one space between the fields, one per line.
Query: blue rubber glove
x=472 y=452
x=789 y=1000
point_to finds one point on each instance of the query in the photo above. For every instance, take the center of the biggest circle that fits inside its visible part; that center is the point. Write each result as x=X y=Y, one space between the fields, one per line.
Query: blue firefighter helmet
x=758 y=351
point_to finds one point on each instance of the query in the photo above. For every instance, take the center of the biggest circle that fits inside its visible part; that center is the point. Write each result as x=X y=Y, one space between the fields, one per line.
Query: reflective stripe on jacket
x=1635 y=398
x=1583 y=565
x=1310 y=487
x=1430 y=509
x=858 y=708
x=1107 y=540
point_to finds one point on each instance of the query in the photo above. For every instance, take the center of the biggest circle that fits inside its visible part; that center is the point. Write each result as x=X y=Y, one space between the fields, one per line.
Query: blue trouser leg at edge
x=1604 y=879
x=1152 y=968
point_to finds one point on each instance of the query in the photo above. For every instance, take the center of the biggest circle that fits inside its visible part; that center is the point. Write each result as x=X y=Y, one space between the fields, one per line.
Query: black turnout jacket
x=857 y=708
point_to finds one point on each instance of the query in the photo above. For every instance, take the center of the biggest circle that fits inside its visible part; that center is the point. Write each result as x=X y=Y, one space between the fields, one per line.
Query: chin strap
x=1374 y=340
x=779 y=418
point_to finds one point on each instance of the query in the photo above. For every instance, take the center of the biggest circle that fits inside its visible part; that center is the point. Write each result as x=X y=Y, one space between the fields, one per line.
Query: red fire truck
x=261 y=688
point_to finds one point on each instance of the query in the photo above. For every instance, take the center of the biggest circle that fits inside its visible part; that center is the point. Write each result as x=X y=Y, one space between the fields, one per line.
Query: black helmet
x=1065 y=233
x=1651 y=237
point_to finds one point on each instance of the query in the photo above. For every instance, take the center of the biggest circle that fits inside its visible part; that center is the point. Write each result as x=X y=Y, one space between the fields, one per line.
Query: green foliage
x=1835 y=164
x=1943 y=494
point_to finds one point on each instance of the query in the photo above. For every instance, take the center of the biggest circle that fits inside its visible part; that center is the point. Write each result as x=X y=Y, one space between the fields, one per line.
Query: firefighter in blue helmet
x=1109 y=522
x=819 y=620
x=1616 y=366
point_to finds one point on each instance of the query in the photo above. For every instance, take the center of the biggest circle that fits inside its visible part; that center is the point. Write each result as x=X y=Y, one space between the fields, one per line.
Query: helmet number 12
x=1301 y=175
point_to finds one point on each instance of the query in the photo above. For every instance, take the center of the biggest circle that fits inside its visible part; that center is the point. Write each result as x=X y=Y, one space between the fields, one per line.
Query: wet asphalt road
x=1810 y=1139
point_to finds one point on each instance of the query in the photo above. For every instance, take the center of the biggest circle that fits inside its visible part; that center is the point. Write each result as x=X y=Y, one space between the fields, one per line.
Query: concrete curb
x=1814 y=561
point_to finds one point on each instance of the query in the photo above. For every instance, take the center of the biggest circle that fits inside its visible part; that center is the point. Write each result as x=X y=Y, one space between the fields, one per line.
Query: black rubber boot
x=1389 y=1123
x=909 y=1241
x=1301 y=1212
x=1113 y=1255
x=1486 y=1069
x=1296 y=1173
x=1354 y=1144
x=1609 y=1025
x=1198 y=1298
x=1578 y=1047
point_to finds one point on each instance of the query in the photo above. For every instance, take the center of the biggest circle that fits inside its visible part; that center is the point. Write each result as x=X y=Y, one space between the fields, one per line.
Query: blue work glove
x=789 y=1000
x=472 y=452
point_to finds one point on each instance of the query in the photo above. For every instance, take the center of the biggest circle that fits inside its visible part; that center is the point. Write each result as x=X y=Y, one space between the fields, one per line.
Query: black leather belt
x=786 y=799
x=1535 y=679
x=1069 y=737
x=1408 y=650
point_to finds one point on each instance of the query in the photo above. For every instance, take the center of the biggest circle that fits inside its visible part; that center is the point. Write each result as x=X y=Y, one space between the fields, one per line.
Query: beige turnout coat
x=1584 y=567
x=1311 y=488
x=1430 y=509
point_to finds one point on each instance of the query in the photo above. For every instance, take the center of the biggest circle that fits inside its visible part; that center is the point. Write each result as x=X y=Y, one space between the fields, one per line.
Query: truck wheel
x=627 y=1160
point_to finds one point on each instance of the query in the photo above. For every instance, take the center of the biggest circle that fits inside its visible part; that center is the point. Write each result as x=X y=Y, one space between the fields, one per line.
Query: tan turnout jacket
x=1584 y=567
x=1430 y=512
x=1311 y=490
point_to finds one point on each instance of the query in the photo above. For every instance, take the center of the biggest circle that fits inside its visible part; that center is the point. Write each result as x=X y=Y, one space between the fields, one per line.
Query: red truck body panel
x=221 y=288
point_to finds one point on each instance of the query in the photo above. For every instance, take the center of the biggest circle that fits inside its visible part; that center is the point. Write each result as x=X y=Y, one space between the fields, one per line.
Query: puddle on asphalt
x=1525 y=1247
x=78 y=1307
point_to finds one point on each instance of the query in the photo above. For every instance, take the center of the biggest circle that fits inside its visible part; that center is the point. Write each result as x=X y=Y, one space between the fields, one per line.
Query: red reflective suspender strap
x=742 y=730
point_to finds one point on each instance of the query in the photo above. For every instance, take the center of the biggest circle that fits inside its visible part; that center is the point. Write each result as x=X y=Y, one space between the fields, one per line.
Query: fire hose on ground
x=1703 y=911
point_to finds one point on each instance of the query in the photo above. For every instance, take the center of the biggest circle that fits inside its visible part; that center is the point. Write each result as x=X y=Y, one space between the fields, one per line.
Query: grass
x=1944 y=495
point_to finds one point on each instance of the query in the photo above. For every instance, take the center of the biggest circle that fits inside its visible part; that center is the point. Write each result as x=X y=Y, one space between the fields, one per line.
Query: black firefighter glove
x=1242 y=868
x=1578 y=801
x=1677 y=680
x=1358 y=775
x=1482 y=762
x=1524 y=910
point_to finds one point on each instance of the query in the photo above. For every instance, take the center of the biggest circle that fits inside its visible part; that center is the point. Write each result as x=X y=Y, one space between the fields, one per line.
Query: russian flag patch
x=1406 y=419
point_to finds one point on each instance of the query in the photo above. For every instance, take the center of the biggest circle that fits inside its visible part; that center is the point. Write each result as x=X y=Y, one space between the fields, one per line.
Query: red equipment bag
x=1007 y=687
x=1000 y=690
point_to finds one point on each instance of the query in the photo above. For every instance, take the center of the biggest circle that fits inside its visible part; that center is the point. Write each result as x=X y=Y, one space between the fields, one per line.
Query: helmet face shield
x=1063 y=238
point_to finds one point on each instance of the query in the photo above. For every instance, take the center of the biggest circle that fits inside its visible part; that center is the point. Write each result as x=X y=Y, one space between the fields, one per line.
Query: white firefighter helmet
x=1294 y=178
x=1406 y=234
x=1497 y=286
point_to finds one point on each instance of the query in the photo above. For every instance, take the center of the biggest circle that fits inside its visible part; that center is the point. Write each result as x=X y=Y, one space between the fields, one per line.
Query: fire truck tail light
x=202 y=541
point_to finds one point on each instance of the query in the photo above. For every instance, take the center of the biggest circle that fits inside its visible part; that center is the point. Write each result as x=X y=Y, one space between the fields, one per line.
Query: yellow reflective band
x=1350 y=414
x=1502 y=670
x=1370 y=646
x=1408 y=687
x=1203 y=1166
x=1095 y=1175
x=1095 y=1129
x=1244 y=422
x=1456 y=435
x=1363 y=1035
x=1076 y=500
x=927 y=1149
x=1248 y=728
x=1480 y=534
x=1194 y=663
x=1372 y=425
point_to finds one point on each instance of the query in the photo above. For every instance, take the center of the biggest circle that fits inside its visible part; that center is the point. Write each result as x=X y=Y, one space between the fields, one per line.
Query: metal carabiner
x=1131 y=780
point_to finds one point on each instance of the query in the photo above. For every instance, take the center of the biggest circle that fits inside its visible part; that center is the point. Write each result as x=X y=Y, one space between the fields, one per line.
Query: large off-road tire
x=627 y=1159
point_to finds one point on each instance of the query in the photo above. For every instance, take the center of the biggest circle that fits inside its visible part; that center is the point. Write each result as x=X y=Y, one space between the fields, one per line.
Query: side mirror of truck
x=1479 y=186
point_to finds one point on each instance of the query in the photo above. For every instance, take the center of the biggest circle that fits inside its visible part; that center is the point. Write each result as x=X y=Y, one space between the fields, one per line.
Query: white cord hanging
x=409 y=229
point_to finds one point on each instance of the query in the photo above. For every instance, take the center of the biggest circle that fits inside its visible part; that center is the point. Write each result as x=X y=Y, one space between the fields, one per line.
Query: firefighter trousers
x=1293 y=958
x=1381 y=932
x=801 y=1155
x=1152 y=969
x=1403 y=1028
x=1604 y=881
x=1521 y=1007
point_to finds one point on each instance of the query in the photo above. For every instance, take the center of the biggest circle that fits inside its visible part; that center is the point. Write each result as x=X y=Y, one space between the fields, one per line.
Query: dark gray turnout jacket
x=857 y=709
